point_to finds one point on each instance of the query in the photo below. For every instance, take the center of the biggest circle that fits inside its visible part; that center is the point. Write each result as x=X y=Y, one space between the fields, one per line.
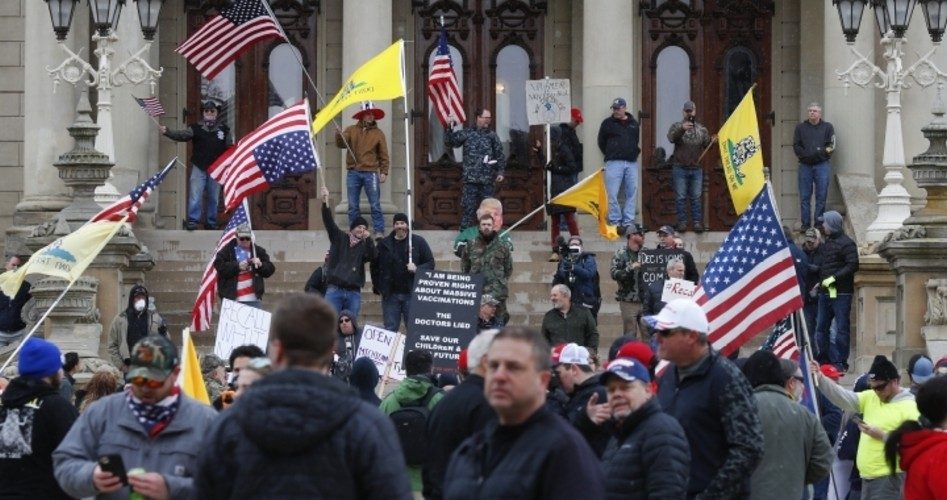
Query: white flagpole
x=246 y=211
x=409 y=208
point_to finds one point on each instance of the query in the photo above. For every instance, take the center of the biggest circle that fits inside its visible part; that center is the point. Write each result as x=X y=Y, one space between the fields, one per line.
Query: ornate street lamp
x=148 y=17
x=882 y=19
x=899 y=14
x=935 y=14
x=850 y=15
x=60 y=13
x=105 y=14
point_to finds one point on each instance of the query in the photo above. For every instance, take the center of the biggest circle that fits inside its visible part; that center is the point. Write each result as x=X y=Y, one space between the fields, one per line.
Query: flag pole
x=806 y=356
x=575 y=187
x=407 y=155
x=36 y=326
x=524 y=219
x=246 y=211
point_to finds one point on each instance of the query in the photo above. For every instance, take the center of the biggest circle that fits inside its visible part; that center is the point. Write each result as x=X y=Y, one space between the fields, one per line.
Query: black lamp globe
x=850 y=15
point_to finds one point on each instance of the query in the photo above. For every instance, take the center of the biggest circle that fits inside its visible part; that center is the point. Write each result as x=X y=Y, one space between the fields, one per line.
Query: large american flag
x=750 y=283
x=279 y=147
x=224 y=37
x=151 y=105
x=442 y=85
x=129 y=204
x=203 y=308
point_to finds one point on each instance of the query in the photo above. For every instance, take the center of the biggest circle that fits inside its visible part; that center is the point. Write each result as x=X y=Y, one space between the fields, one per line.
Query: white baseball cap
x=574 y=354
x=680 y=313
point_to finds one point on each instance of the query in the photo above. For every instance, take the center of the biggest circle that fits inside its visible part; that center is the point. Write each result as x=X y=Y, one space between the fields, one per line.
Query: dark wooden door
x=710 y=52
x=261 y=82
x=494 y=42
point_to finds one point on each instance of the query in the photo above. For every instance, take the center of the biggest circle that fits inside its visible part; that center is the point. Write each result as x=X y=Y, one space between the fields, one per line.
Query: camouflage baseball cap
x=153 y=357
x=210 y=362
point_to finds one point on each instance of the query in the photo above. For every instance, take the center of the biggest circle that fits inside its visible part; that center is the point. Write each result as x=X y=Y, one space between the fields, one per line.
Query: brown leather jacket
x=368 y=143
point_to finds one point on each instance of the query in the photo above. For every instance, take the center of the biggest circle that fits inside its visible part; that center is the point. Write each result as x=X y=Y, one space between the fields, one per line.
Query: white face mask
x=140 y=305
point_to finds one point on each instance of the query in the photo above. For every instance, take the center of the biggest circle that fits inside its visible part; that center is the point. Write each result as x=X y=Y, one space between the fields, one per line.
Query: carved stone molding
x=936 y=302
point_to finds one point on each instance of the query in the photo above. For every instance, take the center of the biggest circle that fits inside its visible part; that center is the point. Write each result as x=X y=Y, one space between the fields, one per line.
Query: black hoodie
x=301 y=434
x=48 y=416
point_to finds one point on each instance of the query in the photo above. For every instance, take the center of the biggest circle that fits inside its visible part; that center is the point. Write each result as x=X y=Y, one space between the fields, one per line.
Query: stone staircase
x=181 y=257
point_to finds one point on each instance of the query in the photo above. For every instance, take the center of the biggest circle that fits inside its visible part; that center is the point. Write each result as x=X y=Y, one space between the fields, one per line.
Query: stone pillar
x=366 y=31
x=606 y=74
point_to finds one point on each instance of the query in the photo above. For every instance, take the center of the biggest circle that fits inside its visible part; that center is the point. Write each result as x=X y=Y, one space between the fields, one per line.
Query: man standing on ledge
x=690 y=139
x=483 y=166
x=813 y=142
x=618 y=141
x=366 y=159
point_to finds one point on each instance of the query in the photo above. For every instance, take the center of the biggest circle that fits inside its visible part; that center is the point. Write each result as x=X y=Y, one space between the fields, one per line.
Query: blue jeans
x=354 y=182
x=342 y=299
x=688 y=182
x=394 y=309
x=201 y=182
x=833 y=349
x=818 y=175
x=618 y=173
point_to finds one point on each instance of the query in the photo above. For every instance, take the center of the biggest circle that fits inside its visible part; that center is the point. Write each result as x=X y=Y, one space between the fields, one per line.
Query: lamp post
x=134 y=70
x=892 y=18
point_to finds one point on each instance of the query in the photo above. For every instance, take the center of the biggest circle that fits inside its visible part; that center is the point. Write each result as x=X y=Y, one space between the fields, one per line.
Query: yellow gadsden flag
x=66 y=258
x=742 y=153
x=589 y=196
x=379 y=79
x=190 y=379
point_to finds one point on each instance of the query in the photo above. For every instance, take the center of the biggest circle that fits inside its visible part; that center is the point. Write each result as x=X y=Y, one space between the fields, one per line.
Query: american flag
x=783 y=340
x=131 y=202
x=223 y=38
x=442 y=84
x=151 y=105
x=203 y=308
x=750 y=283
x=279 y=147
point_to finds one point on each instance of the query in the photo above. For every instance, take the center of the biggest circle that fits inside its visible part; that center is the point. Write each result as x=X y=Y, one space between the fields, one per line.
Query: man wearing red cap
x=366 y=159
x=564 y=168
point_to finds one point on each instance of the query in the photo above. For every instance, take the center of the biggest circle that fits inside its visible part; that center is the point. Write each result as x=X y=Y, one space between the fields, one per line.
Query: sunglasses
x=668 y=333
x=147 y=382
x=345 y=320
x=878 y=387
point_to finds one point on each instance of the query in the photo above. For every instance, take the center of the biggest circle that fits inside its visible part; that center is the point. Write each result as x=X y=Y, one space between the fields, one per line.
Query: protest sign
x=675 y=288
x=377 y=345
x=654 y=264
x=444 y=309
x=240 y=325
x=548 y=101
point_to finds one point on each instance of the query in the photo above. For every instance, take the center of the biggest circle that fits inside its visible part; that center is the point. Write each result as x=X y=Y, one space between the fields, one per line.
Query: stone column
x=366 y=31
x=606 y=74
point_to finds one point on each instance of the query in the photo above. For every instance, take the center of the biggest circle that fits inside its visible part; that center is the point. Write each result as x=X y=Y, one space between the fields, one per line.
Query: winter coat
x=688 y=144
x=812 y=274
x=715 y=406
x=368 y=143
x=596 y=435
x=209 y=142
x=628 y=279
x=577 y=326
x=923 y=456
x=809 y=141
x=460 y=414
x=316 y=282
x=494 y=260
x=390 y=265
x=648 y=458
x=542 y=458
x=228 y=271
x=585 y=288
x=109 y=427
x=34 y=419
x=345 y=348
x=295 y=422
x=651 y=302
x=796 y=450
x=345 y=267
x=618 y=139
x=839 y=259
x=117 y=346
x=411 y=389
x=11 y=310
x=565 y=165
x=478 y=143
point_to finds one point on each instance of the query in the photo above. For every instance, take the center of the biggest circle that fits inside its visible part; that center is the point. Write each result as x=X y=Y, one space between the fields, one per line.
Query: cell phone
x=115 y=465
x=857 y=419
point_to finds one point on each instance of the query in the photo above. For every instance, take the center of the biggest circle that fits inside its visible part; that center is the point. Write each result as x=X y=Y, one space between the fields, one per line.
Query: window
x=285 y=82
x=512 y=125
x=673 y=88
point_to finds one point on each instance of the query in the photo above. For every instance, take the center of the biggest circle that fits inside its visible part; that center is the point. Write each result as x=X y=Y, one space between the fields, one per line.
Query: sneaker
x=698 y=227
x=554 y=257
x=681 y=227
x=190 y=225
x=210 y=227
x=622 y=230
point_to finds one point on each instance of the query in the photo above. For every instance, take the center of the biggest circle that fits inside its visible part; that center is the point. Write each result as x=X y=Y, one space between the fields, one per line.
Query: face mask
x=210 y=123
x=140 y=305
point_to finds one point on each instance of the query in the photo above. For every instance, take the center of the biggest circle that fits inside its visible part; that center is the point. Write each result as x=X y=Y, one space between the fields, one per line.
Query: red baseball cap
x=577 y=115
x=831 y=371
x=638 y=350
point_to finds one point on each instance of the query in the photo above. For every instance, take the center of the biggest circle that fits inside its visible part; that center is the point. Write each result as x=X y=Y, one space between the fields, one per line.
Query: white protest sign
x=376 y=344
x=548 y=101
x=397 y=365
x=240 y=325
x=675 y=288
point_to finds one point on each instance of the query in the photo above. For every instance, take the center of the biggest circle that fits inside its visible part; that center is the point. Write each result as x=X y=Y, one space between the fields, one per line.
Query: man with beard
x=152 y=426
x=625 y=270
x=136 y=322
x=393 y=271
x=487 y=255
x=565 y=323
x=34 y=419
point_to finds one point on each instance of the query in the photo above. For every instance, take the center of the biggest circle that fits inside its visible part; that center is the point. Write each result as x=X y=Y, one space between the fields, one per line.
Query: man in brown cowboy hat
x=367 y=163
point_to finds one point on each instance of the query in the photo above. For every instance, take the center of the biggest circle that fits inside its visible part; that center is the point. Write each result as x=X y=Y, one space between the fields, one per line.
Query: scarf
x=154 y=418
x=353 y=240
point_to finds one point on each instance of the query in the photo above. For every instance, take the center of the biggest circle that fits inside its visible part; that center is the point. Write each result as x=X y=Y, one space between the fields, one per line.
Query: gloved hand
x=827 y=282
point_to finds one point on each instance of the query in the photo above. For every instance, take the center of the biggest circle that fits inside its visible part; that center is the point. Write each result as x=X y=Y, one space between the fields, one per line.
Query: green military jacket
x=493 y=260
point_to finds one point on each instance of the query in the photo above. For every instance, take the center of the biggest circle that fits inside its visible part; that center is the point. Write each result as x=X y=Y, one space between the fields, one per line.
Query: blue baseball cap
x=626 y=369
x=922 y=369
x=619 y=102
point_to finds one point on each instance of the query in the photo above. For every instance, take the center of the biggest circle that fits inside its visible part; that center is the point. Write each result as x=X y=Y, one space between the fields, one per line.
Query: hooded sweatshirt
x=923 y=458
x=364 y=378
x=130 y=326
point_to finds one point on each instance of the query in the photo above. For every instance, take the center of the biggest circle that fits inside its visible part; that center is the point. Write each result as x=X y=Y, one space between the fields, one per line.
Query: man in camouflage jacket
x=625 y=271
x=488 y=255
x=483 y=166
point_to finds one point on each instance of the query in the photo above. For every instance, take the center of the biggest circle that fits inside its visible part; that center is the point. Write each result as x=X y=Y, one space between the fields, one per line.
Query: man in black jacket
x=463 y=412
x=345 y=266
x=564 y=168
x=618 y=141
x=813 y=142
x=34 y=419
x=529 y=452
x=241 y=267
x=582 y=384
x=393 y=271
x=836 y=284
x=12 y=326
x=322 y=425
x=649 y=456
x=812 y=247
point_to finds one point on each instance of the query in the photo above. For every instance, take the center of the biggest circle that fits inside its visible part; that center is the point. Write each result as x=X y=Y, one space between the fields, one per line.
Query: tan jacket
x=368 y=144
x=118 y=347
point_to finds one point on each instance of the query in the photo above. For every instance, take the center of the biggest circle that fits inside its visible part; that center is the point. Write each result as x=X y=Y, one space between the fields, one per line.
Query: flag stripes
x=442 y=85
x=150 y=105
x=203 y=309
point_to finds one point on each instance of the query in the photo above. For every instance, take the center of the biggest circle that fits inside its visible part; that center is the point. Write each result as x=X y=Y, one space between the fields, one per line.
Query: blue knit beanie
x=39 y=358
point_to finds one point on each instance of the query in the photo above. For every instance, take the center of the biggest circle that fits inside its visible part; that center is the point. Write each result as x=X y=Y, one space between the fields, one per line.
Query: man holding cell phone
x=144 y=440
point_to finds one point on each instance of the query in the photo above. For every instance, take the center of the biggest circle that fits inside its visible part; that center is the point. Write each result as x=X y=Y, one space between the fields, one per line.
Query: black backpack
x=411 y=423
